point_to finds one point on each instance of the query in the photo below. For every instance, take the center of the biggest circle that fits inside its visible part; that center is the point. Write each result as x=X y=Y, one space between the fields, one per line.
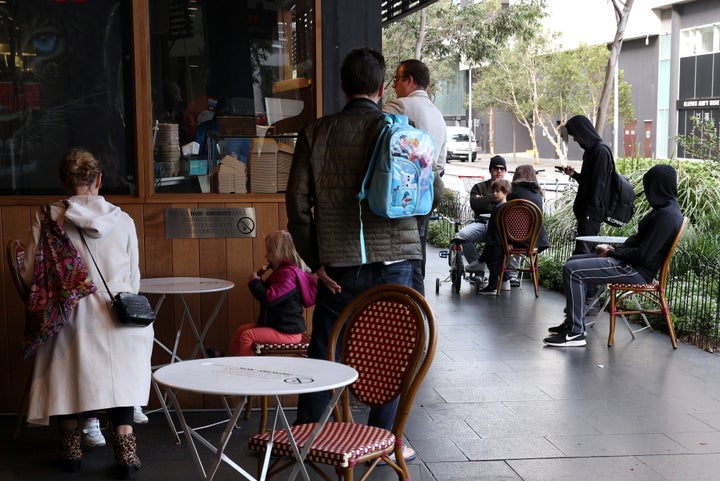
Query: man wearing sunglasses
x=411 y=80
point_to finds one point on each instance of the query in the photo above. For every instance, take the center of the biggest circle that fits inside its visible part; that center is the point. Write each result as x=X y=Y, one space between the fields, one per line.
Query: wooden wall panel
x=14 y=371
x=233 y=259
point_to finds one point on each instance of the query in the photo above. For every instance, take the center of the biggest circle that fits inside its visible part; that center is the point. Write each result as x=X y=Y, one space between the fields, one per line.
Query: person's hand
x=331 y=285
x=259 y=273
x=569 y=170
x=601 y=250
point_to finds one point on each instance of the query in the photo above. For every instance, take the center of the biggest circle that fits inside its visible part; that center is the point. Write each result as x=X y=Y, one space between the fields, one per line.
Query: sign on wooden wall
x=205 y=223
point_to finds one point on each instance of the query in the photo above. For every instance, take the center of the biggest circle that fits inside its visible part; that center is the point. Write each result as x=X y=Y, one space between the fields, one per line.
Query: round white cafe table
x=602 y=239
x=252 y=376
x=181 y=287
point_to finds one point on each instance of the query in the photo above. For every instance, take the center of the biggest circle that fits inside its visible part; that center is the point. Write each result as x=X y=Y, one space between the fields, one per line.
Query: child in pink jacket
x=282 y=297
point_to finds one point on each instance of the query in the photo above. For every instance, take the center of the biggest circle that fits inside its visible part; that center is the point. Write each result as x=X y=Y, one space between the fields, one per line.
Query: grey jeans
x=586 y=270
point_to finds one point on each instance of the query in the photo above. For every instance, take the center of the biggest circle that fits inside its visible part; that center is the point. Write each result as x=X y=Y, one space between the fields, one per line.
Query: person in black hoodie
x=636 y=261
x=593 y=182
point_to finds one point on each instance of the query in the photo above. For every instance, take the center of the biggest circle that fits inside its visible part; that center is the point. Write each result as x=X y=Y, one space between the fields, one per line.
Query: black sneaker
x=488 y=291
x=515 y=281
x=559 y=329
x=566 y=339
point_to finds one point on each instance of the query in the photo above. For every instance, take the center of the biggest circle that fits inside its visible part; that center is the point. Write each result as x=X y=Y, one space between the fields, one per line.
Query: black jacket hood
x=583 y=130
x=660 y=184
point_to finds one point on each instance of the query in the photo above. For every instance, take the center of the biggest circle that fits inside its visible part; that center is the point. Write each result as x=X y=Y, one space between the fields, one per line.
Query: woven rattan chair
x=389 y=337
x=651 y=294
x=15 y=254
x=519 y=223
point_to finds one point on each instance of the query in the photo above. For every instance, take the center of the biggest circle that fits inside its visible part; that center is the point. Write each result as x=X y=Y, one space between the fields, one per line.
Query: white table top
x=255 y=376
x=184 y=285
x=602 y=239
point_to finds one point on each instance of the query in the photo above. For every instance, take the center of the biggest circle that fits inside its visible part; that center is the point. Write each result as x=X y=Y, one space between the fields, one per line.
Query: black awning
x=396 y=9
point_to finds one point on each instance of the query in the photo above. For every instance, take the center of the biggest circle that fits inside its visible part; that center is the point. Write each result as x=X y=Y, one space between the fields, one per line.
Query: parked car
x=461 y=144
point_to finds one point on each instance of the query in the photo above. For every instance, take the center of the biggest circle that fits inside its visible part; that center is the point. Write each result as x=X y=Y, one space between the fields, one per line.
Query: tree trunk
x=491 y=131
x=421 y=36
x=622 y=12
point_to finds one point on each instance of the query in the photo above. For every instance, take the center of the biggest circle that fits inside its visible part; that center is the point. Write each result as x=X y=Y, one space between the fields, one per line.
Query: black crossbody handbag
x=129 y=309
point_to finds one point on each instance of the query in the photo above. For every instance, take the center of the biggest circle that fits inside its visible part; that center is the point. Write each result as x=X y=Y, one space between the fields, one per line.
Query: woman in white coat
x=93 y=363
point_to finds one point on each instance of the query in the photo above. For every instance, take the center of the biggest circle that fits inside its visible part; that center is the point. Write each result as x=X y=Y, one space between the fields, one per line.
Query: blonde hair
x=501 y=185
x=79 y=168
x=281 y=245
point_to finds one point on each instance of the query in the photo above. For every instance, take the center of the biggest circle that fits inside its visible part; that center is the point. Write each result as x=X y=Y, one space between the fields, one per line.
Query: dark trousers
x=586 y=227
x=418 y=279
x=328 y=306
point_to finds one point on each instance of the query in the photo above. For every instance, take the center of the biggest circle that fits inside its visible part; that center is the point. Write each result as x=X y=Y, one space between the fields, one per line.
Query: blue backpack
x=398 y=183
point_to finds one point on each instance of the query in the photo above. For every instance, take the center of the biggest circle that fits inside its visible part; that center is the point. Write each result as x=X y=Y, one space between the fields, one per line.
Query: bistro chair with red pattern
x=519 y=223
x=652 y=294
x=389 y=336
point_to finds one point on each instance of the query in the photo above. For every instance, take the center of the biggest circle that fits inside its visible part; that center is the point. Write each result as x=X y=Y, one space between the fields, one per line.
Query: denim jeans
x=585 y=271
x=472 y=233
x=328 y=306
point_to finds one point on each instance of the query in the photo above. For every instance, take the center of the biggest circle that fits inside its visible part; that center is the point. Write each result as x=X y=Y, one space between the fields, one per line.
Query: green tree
x=445 y=32
x=703 y=141
x=543 y=87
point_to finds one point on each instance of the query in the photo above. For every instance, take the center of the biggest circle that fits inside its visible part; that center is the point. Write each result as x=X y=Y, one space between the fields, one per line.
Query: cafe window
x=233 y=80
x=64 y=82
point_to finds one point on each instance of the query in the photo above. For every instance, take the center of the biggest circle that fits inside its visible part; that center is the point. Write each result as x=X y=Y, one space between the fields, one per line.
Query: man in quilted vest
x=331 y=157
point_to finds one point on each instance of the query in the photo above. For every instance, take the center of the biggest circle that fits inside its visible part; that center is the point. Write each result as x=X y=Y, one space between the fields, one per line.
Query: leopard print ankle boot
x=126 y=460
x=69 y=457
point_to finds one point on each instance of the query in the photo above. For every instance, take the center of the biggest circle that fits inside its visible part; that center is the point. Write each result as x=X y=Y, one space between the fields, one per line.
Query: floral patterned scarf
x=59 y=281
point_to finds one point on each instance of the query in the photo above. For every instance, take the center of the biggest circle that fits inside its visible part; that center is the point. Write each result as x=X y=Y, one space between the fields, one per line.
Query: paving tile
x=696 y=443
x=474 y=471
x=494 y=449
x=616 y=445
x=685 y=466
x=619 y=423
x=500 y=393
x=620 y=468
x=438 y=450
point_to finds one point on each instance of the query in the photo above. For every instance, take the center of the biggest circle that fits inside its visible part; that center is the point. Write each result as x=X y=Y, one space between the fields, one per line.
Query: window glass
x=64 y=83
x=223 y=73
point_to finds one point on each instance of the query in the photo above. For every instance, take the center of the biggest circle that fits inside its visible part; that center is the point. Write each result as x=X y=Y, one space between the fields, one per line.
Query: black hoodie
x=594 y=179
x=646 y=250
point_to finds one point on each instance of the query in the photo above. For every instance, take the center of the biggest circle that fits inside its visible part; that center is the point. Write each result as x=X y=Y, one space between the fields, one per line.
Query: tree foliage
x=450 y=33
x=703 y=142
x=543 y=87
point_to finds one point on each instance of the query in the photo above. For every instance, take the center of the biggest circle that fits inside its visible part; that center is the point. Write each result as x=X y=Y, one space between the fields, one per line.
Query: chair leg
x=263 y=414
x=613 y=302
x=502 y=274
x=668 y=319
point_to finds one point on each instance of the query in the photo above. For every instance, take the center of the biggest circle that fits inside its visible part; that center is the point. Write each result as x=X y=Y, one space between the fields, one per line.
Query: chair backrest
x=519 y=223
x=389 y=337
x=665 y=269
x=15 y=254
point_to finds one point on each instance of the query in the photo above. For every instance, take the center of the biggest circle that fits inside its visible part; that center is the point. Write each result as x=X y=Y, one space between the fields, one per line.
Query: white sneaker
x=139 y=417
x=505 y=286
x=92 y=436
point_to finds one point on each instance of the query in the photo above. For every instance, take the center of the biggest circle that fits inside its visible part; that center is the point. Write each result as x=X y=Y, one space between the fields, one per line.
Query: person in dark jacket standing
x=636 y=261
x=593 y=181
x=324 y=216
x=283 y=295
